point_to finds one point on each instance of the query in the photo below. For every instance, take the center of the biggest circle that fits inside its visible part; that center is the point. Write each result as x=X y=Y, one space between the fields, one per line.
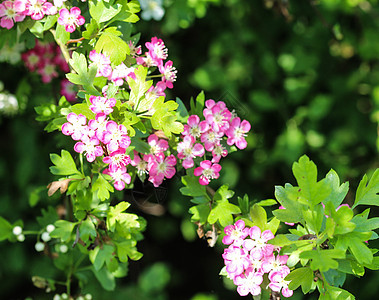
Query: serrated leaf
x=99 y=256
x=105 y=278
x=223 y=212
x=92 y=30
x=83 y=108
x=338 y=192
x=102 y=11
x=223 y=193
x=63 y=230
x=61 y=34
x=110 y=44
x=192 y=187
x=87 y=229
x=200 y=213
x=259 y=216
x=301 y=276
x=102 y=187
x=64 y=164
x=368 y=193
x=323 y=260
x=5 y=229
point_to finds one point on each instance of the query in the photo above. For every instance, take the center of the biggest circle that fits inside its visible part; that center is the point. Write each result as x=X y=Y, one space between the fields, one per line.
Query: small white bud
x=39 y=248
x=88 y=297
x=80 y=298
x=63 y=248
x=21 y=237
x=17 y=230
x=45 y=236
x=50 y=228
x=57 y=297
x=64 y=296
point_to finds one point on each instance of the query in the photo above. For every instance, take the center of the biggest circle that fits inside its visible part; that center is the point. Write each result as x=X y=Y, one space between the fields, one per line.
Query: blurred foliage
x=304 y=73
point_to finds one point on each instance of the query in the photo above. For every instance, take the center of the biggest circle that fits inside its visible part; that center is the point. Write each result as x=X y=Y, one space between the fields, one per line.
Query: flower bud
x=17 y=230
x=39 y=248
x=45 y=236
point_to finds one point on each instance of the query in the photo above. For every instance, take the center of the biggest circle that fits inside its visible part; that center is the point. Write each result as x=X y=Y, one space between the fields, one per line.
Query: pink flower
x=9 y=15
x=194 y=127
x=116 y=136
x=217 y=116
x=90 y=146
x=236 y=260
x=237 y=132
x=154 y=92
x=157 y=50
x=210 y=139
x=76 y=126
x=274 y=263
x=249 y=283
x=169 y=73
x=68 y=90
x=48 y=71
x=119 y=176
x=157 y=145
x=102 y=104
x=99 y=125
x=134 y=50
x=161 y=167
x=140 y=164
x=117 y=159
x=70 y=20
x=235 y=234
x=31 y=59
x=278 y=283
x=258 y=242
x=37 y=9
x=120 y=73
x=188 y=150
x=102 y=63
x=218 y=152
x=207 y=171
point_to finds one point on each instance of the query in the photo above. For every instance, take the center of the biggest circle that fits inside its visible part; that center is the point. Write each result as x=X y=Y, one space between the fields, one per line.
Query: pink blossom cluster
x=157 y=164
x=12 y=11
x=101 y=137
x=46 y=59
x=249 y=257
x=210 y=136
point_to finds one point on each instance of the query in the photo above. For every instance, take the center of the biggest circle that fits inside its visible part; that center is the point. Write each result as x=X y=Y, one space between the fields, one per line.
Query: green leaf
x=83 y=76
x=338 y=192
x=105 y=278
x=223 y=212
x=127 y=249
x=63 y=230
x=128 y=12
x=259 y=216
x=125 y=220
x=335 y=293
x=37 y=29
x=5 y=229
x=197 y=106
x=193 y=188
x=182 y=112
x=92 y=30
x=154 y=279
x=368 y=193
x=87 y=229
x=200 y=213
x=102 y=11
x=50 y=22
x=323 y=260
x=61 y=34
x=313 y=218
x=223 y=193
x=83 y=108
x=110 y=44
x=64 y=164
x=99 y=256
x=102 y=187
x=287 y=197
x=301 y=276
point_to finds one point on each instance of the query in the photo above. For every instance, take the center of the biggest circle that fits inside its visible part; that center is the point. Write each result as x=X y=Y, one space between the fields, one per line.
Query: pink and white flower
x=89 y=145
x=140 y=164
x=207 y=171
x=157 y=145
x=9 y=15
x=278 y=283
x=117 y=159
x=161 y=167
x=71 y=19
x=120 y=73
x=249 y=283
x=188 y=150
x=68 y=90
x=169 y=73
x=235 y=234
x=102 y=63
x=237 y=132
x=157 y=50
x=76 y=126
x=217 y=116
x=120 y=177
x=102 y=104
x=99 y=125
x=116 y=136
x=36 y=9
x=194 y=127
x=257 y=245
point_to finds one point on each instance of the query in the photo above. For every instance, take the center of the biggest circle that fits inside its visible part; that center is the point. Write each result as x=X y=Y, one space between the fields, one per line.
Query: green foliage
x=64 y=164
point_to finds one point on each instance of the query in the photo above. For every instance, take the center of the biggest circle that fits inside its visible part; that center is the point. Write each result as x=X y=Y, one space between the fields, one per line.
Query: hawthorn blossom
x=31 y=59
x=9 y=15
x=68 y=90
x=152 y=9
x=99 y=125
x=258 y=242
x=116 y=136
x=207 y=171
x=278 y=283
x=156 y=145
x=48 y=71
x=89 y=145
x=140 y=164
x=157 y=50
x=120 y=177
x=36 y=9
x=274 y=263
x=102 y=63
x=194 y=127
x=217 y=116
x=188 y=150
x=71 y=19
x=249 y=283
x=210 y=139
x=76 y=126
x=120 y=73
x=169 y=73
x=236 y=260
x=134 y=50
x=218 y=152
x=161 y=167
x=237 y=132
x=235 y=233
x=117 y=159
x=102 y=104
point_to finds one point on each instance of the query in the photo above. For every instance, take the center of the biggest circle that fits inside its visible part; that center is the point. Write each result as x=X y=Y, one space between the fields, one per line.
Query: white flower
x=17 y=230
x=39 y=247
x=8 y=104
x=45 y=236
x=152 y=9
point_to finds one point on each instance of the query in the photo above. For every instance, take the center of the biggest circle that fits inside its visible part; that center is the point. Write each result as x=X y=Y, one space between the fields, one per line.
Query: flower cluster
x=157 y=164
x=220 y=128
x=249 y=257
x=46 y=59
x=12 y=11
